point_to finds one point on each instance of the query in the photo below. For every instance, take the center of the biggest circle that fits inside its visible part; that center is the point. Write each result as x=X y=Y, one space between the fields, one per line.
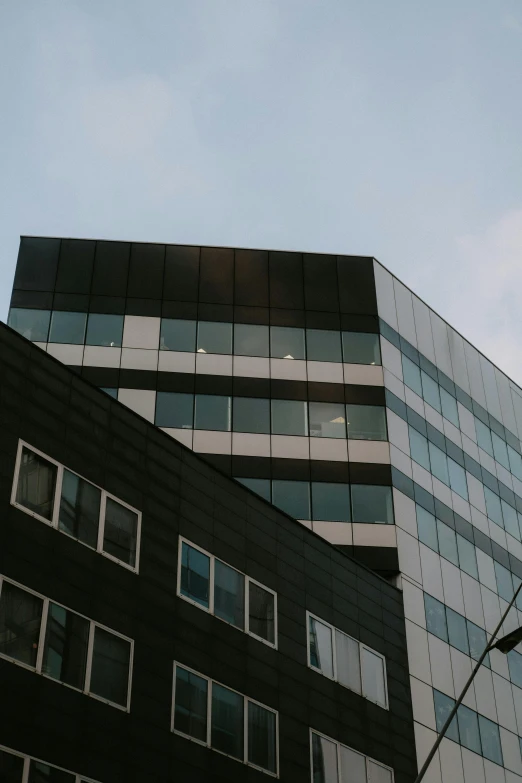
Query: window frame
x=93 y=624
x=208 y=744
x=246 y=593
x=54 y=521
x=339 y=745
x=78 y=778
x=362 y=646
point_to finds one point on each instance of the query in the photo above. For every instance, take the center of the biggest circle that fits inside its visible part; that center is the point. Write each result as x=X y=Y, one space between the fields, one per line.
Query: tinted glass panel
x=324 y=760
x=457 y=631
x=31 y=324
x=504 y=582
x=229 y=594
x=373 y=677
x=75 y=266
x=447 y=543
x=323 y=346
x=449 y=407
x=174 y=409
x=214 y=337
x=216 y=270
x=177 y=335
x=427 y=528
x=378 y=774
x=65 y=651
x=259 y=486
x=111 y=267
x=261 y=612
x=68 y=328
x=146 y=271
x=79 y=509
x=477 y=641
x=330 y=502
x=515 y=667
x=457 y=478
x=121 y=532
x=181 y=281
x=287 y=343
x=419 y=448
x=251 y=340
x=500 y=450
x=251 y=414
x=227 y=721
x=11 y=767
x=104 y=329
x=510 y=518
x=469 y=729
x=366 y=422
x=361 y=348
x=110 y=391
x=467 y=556
x=490 y=740
x=261 y=737
x=484 y=437
x=37 y=264
x=411 y=375
x=443 y=707
x=371 y=503
x=36 y=484
x=435 y=617
x=515 y=462
x=493 y=507
x=43 y=773
x=20 y=618
x=251 y=278
x=212 y=412
x=353 y=766
x=439 y=463
x=348 y=661
x=327 y=420
x=321 y=649
x=110 y=667
x=289 y=417
x=195 y=575
x=430 y=391
x=190 y=712
x=292 y=497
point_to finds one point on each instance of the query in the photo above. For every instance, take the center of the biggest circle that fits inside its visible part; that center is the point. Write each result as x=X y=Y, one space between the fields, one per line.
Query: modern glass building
x=329 y=389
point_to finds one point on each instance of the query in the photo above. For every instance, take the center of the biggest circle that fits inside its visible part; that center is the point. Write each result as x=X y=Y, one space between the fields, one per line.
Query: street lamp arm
x=457 y=704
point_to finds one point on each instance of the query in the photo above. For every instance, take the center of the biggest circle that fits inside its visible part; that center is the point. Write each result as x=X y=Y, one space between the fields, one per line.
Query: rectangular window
x=31 y=324
x=64 y=645
x=484 y=437
x=361 y=348
x=327 y=420
x=330 y=502
x=13 y=764
x=251 y=340
x=450 y=409
x=490 y=740
x=224 y=720
x=467 y=557
x=336 y=763
x=366 y=422
x=214 y=337
x=227 y=593
x=435 y=617
x=373 y=671
x=447 y=543
x=79 y=514
x=477 y=642
x=260 y=486
x=412 y=375
x=469 y=729
x=36 y=484
x=68 y=328
x=212 y=412
x=251 y=414
x=443 y=706
x=174 y=409
x=457 y=478
x=427 y=528
x=120 y=531
x=371 y=503
x=493 y=507
x=419 y=448
x=504 y=582
x=510 y=518
x=457 y=631
x=293 y=497
x=289 y=417
x=105 y=330
x=323 y=346
x=500 y=450
x=439 y=463
x=178 y=335
x=515 y=463
x=321 y=647
x=287 y=343
x=515 y=667
x=11 y=767
x=430 y=391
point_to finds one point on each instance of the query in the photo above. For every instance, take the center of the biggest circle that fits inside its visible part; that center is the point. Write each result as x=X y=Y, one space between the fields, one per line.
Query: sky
x=389 y=129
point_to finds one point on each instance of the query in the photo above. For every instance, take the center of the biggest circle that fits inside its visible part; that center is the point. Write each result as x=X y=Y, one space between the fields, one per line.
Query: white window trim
x=208 y=743
x=340 y=745
x=27 y=760
x=362 y=646
x=53 y=522
x=210 y=609
x=93 y=624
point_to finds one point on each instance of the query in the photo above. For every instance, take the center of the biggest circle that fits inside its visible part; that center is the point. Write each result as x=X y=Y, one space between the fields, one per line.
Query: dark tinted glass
x=515 y=667
x=289 y=417
x=37 y=264
x=177 y=335
x=327 y=420
x=111 y=267
x=435 y=617
x=356 y=285
x=20 y=618
x=146 y=271
x=287 y=342
x=110 y=391
x=11 y=767
x=190 y=713
x=104 y=329
x=447 y=543
x=261 y=612
x=361 y=348
x=251 y=414
x=65 y=650
x=469 y=729
x=427 y=528
x=457 y=631
x=323 y=345
x=79 y=509
x=31 y=324
x=120 y=532
x=286 y=280
x=68 y=328
x=259 y=486
x=216 y=282
x=212 y=412
x=214 y=337
x=490 y=740
x=292 y=497
x=181 y=274
x=174 y=409
x=75 y=266
x=110 y=667
x=36 y=484
x=330 y=502
x=366 y=422
x=251 y=340
x=195 y=575
x=261 y=737
x=251 y=278
x=43 y=773
x=227 y=721
x=372 y=503
x=229 y=594
x=443 y=706
x=477 y=641
x=320 y=282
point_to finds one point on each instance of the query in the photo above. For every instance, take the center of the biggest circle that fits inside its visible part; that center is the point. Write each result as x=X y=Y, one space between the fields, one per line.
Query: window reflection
x=31 y=324
x=287 y=342
x=361 y=348
x=323 y=345
x=327 y=420
x=251 y=340
x=214 y=337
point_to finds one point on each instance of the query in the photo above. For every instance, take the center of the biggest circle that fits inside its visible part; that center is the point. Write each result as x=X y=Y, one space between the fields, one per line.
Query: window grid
x=211 y=601
x=29 y=760
x=207 y=743
x=38 y=668
x=54 y=521
x=368 y=761
x=362 y=646
x=470 y=627
x=441 y=716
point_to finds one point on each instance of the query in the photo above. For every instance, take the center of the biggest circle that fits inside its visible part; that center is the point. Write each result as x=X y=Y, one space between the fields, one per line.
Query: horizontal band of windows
x=224 y=720
x=225 y=338
x=47 y=490
x=346 y=660
x=225 y=592
x=16 y=767
x=324 y=501
x=61 y=644
x=333 y=762
x=469 y=728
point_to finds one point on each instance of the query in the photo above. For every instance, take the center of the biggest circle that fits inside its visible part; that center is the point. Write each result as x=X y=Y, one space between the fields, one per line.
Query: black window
x=65 y=647
x=251 y=340
x=292 y=497
x=120 y=532
x=104 y=329
x=75 y=266
x=20 y=621
x=36 y=484
x=216 y=282
x=111 y=267
x=181 y=273
x=323 y=345
x=79 y=509
x=190 y=707
x=330 y=502
x=361 y=348
x=68 y=327
x=177 y=335
x=251 y=414
x=212 y=412
x=372 y=503
x=174 y=409
x=37 y=264
x=366 y=422
x=110 y=667
x=251 y=278
x=31 y=324
x=11 y=767
x=146 y=271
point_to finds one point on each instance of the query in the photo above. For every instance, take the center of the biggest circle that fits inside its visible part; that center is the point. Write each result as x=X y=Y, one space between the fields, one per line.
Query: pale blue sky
x=391 y=129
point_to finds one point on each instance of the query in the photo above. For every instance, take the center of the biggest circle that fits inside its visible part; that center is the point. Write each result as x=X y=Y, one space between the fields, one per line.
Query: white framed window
x=52 y=493
x=50 y=639
x=332 y=762
x=224 y=720
x=20 y=768
x=210 y=584
x=346 y=660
